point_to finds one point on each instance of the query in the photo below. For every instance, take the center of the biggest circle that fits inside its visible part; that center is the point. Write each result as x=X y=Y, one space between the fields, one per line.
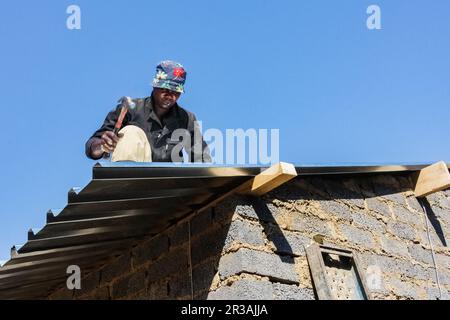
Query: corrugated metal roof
x=123 y=203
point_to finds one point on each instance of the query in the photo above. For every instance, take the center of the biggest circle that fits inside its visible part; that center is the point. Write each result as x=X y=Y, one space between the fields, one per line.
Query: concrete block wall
x=248 y=248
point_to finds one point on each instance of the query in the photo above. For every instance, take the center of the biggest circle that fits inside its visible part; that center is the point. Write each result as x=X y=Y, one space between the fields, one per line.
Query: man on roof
x=155 y=128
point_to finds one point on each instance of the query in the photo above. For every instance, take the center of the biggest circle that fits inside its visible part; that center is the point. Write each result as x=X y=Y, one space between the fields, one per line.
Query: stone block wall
x=247 y=248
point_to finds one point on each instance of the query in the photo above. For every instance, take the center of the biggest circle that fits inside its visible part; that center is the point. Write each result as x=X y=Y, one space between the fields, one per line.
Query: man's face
x=165 y=98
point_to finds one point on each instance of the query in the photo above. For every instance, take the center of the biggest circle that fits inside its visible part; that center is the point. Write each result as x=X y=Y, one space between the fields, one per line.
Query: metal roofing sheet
x=123 y=203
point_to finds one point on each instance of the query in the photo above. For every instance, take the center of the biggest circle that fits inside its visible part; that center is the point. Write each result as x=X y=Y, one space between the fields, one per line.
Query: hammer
x=126 y=104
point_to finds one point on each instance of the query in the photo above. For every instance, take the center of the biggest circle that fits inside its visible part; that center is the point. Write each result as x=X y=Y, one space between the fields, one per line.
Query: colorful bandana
x=170 y=75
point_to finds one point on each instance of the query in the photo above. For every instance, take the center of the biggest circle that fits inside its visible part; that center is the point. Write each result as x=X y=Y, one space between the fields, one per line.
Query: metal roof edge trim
x=302 y=169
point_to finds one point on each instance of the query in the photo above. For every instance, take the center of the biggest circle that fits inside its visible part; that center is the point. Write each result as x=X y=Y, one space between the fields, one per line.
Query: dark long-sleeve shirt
x=162 y=135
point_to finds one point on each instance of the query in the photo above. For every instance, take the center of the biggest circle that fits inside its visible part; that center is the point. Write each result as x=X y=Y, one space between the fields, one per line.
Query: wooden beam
x=268 y=180
x=432 y=179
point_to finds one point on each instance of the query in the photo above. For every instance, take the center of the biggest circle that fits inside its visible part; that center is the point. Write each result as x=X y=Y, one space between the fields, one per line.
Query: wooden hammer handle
x=119 y=122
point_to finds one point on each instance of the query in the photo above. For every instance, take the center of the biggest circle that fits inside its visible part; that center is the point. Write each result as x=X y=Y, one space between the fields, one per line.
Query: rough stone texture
x=357 y=236
x=394 y=247
x=131 y=284
x=403 y=289
x=407 y=216
x=402 y=230
x=445 y=203
x=234 y=204
x=443 y=260
x=298 y=189
x=210 y=244
x=437 y=239
x=244 y=232
x=433 y=294
x=420 y=254
x=244 y=289
x=158 y=290
x=248 y=211
x=260 y=263
x=434 y=198
x=178 y=235
x=363 y=220
x=202 y=276
x=376 y=282
x=395 y=267
x=201 y=222
x=287 y=242
x=389 y=188
x=337 y=209
x=150 y=250
x=172 y=264
x=414 y=204
x=121 y=265
x=442 y=216
x=338 y=189
x=309 y=225
x=292 y=292
x=246 y=248
x=444 y=276
x=379 y=207
x=179 y=287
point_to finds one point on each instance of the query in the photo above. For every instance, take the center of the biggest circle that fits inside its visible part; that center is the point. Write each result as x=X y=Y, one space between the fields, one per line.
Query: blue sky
x=338 y=92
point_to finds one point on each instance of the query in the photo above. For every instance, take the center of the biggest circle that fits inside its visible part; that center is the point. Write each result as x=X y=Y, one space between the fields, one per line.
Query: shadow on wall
x=351 y=189
x=433 y=219
x=227 y=235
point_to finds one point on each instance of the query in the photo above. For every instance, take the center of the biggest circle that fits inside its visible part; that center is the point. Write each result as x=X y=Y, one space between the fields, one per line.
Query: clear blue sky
x=337 y=91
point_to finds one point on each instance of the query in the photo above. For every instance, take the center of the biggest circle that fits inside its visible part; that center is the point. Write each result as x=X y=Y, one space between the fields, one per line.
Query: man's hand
x=106 y=143
x=109 y=141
